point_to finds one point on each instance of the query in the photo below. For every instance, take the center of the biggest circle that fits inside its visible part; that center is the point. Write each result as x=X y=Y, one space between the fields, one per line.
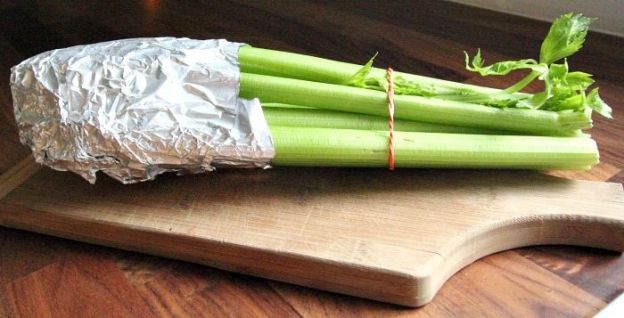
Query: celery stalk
x=358 y=100
x=289 y=116
x=316 y=69
x=360 y=148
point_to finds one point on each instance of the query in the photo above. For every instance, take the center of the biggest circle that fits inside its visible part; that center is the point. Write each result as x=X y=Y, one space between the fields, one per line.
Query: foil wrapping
x=136 y=108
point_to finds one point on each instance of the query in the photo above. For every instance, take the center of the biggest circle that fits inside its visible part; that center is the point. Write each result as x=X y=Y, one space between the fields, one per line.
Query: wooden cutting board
x=390 y=236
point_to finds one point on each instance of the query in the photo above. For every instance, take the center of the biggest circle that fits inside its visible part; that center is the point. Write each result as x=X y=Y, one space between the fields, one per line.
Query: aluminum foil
x=136 y=108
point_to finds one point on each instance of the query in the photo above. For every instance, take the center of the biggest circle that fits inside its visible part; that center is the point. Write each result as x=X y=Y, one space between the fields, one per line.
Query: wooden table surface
x=47 y=276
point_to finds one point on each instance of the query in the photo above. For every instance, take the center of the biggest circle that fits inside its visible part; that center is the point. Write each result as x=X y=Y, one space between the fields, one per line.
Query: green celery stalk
x=288 y=116
x=299 y=66
x=362 y=148
x=270 y=89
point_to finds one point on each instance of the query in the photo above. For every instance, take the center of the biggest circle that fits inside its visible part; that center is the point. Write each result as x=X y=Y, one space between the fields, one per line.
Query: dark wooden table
x=46 y=276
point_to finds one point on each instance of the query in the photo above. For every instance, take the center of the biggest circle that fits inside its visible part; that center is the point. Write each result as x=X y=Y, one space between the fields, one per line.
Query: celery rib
x=415 y=108
x=289 y=116
x=310 y=68
x=360 y=148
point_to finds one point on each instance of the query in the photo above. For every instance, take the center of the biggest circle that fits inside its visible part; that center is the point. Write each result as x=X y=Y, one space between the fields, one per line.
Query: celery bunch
x=324 y=112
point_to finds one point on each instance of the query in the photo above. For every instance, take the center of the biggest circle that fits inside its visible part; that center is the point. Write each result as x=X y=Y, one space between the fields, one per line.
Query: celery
x=328 y=113
x=298 y=116
x=270 y=89
x=563 y=90
x=316 y=69
x=360 y=148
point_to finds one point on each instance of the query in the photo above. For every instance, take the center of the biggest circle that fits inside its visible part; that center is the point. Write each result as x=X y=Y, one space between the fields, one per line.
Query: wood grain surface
x=45 y=276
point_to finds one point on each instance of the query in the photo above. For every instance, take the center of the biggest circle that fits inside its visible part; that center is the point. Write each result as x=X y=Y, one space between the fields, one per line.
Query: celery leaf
x=565 y=37
x=362 y=79
x=563 y=90
x=499 y=68
x=359 y=78
x=596 y=103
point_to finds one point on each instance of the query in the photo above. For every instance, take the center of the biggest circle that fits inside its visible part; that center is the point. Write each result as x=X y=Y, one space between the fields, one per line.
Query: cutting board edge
x=18 y=174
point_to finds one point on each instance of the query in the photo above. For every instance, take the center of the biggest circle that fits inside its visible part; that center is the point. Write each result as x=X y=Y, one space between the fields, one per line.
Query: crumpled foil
x=136 y=108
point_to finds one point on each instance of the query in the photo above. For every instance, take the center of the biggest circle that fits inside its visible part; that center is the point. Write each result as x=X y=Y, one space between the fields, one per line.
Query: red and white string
x=390 y=77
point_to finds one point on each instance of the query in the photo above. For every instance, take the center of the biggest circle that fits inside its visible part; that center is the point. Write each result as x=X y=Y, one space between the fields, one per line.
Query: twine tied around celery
x=390 y=93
